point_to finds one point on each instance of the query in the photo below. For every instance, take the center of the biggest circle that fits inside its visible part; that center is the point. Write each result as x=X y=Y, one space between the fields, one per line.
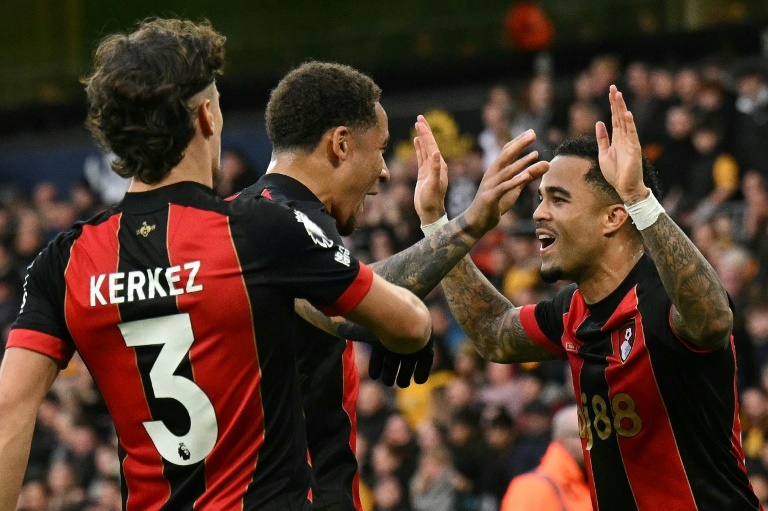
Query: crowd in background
x=455 y=442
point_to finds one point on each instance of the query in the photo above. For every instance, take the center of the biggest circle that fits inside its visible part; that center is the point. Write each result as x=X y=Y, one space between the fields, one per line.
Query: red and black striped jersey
x=327 y=372
x=658 y=416
x=182 y=307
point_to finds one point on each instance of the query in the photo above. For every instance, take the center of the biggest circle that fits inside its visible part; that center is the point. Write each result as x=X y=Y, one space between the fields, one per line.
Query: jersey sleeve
x=40 y=325
x=305 y=261
x=543 y=322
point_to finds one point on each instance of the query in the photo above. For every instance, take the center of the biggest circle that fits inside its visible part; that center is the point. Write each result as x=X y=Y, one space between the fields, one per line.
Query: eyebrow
x=556 y=189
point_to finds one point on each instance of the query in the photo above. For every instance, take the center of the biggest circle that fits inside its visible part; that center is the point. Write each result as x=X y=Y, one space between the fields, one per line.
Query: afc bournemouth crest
x=626 y=339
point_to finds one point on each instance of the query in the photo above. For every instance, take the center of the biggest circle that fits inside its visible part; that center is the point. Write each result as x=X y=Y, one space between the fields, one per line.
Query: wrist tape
x=430 y=229
x=645 y=213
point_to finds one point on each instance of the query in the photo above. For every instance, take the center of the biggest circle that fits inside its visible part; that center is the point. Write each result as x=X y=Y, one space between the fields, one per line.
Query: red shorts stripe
x=354 y=293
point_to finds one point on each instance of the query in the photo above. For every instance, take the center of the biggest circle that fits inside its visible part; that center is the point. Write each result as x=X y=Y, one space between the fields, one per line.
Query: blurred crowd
x=456 y=442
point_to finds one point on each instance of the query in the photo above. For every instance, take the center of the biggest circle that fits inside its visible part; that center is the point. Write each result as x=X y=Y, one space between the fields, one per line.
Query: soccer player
x=311 y=139
x=646 y=327
x=181 y=304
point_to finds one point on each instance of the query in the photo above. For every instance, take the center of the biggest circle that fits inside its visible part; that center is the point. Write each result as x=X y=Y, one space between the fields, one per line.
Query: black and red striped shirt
x=658 y=416
x=328 y=374
x=182 y=307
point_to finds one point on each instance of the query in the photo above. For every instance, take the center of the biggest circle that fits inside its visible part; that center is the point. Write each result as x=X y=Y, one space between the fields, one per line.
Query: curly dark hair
x=139 y=92
x=586 y=147
x=315 y=97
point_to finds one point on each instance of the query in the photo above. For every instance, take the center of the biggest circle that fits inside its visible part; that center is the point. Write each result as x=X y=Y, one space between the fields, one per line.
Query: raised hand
x=503 y=182
x=620 y=156
x=429 y=196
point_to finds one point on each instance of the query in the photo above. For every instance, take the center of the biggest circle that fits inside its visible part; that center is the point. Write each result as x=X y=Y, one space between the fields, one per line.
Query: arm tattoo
x=310 y=314
x=421 y=267
x=701 y=312
x=488 y=318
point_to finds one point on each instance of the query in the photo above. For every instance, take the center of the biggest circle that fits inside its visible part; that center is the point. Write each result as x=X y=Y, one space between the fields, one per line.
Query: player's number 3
x=174 y=334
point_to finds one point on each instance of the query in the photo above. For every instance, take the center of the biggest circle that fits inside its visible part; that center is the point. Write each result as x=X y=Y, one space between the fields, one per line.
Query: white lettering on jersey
x=342 y=256
x=96 y=290
x=171 y=277
x=154 y=283
x=136 y=285
x=136 y=281
x=26 y=279
x=314 y=230
x=194 y=267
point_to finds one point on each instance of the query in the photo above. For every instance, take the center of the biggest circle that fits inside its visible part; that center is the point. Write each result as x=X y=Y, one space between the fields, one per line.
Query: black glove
x=388 y=366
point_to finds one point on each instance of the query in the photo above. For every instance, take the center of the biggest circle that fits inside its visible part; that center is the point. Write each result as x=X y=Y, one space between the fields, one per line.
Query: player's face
x=366 y=170
x=568 y=221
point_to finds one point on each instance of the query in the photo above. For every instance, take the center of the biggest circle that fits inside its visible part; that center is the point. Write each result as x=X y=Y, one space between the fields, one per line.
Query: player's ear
x=616 y=217
x=205 y=118
x=339 y=143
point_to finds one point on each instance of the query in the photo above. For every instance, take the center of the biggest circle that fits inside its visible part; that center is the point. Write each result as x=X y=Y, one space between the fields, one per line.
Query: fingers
x=521 y=179
x=389 y=370
x=603 y=140
x=425 y=134
x=511 y=150
x=376 y=362
x=614 y=110
x=419 y=156
x=407 y=365
x=424 y=360
x=511 y=170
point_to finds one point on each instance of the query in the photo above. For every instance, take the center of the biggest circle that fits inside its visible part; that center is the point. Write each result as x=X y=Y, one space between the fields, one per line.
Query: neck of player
x=311 y=170
x=603 y=276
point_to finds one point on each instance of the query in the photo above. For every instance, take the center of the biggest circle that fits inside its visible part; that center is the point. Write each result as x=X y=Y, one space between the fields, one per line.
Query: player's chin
x=551 y=273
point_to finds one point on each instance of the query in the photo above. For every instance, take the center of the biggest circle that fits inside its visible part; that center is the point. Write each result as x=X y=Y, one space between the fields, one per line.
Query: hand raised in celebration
x=503 y=182
x=429 y=196
x=620 y=156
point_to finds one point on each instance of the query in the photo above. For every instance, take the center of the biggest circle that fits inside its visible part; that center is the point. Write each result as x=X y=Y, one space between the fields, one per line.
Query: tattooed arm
x=701 y=313
x=422 y=266
x=490 y=321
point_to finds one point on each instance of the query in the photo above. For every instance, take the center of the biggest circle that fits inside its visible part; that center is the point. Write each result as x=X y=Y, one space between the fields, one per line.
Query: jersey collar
x=185 y=193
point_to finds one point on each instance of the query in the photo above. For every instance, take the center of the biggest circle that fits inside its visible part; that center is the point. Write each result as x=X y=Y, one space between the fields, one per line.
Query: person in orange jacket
x=559 y=483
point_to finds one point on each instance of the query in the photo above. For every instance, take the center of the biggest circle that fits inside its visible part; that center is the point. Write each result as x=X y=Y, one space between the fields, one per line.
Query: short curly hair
x=315 y=97
x=586 y=147
x=139 y=91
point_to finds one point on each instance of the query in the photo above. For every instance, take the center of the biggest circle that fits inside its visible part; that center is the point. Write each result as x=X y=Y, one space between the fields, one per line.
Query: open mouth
x=546 y=241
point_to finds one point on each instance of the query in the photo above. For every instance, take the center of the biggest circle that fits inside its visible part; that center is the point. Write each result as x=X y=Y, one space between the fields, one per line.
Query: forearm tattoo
x=421 y=267
x=701 y=311
x=490 y=321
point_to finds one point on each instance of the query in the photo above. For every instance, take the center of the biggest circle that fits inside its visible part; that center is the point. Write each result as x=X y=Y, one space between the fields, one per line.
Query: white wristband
x=645 y=213
x=430 y=229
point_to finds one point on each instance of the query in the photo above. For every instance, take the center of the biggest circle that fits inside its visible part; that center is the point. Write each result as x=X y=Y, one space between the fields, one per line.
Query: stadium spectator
x=559 y=482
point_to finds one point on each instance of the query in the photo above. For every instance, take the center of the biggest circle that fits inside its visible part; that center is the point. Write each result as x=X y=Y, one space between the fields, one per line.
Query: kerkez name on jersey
x=143 y=285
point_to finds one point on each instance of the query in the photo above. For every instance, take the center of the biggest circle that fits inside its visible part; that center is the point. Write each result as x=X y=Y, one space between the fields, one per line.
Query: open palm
x=620 y=156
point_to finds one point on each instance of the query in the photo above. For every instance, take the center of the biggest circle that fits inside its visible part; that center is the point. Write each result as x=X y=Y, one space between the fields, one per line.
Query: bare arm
x=701 y=313
x=488 y=319
x=421 y=267
x=25 y=377
x=394 y=315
